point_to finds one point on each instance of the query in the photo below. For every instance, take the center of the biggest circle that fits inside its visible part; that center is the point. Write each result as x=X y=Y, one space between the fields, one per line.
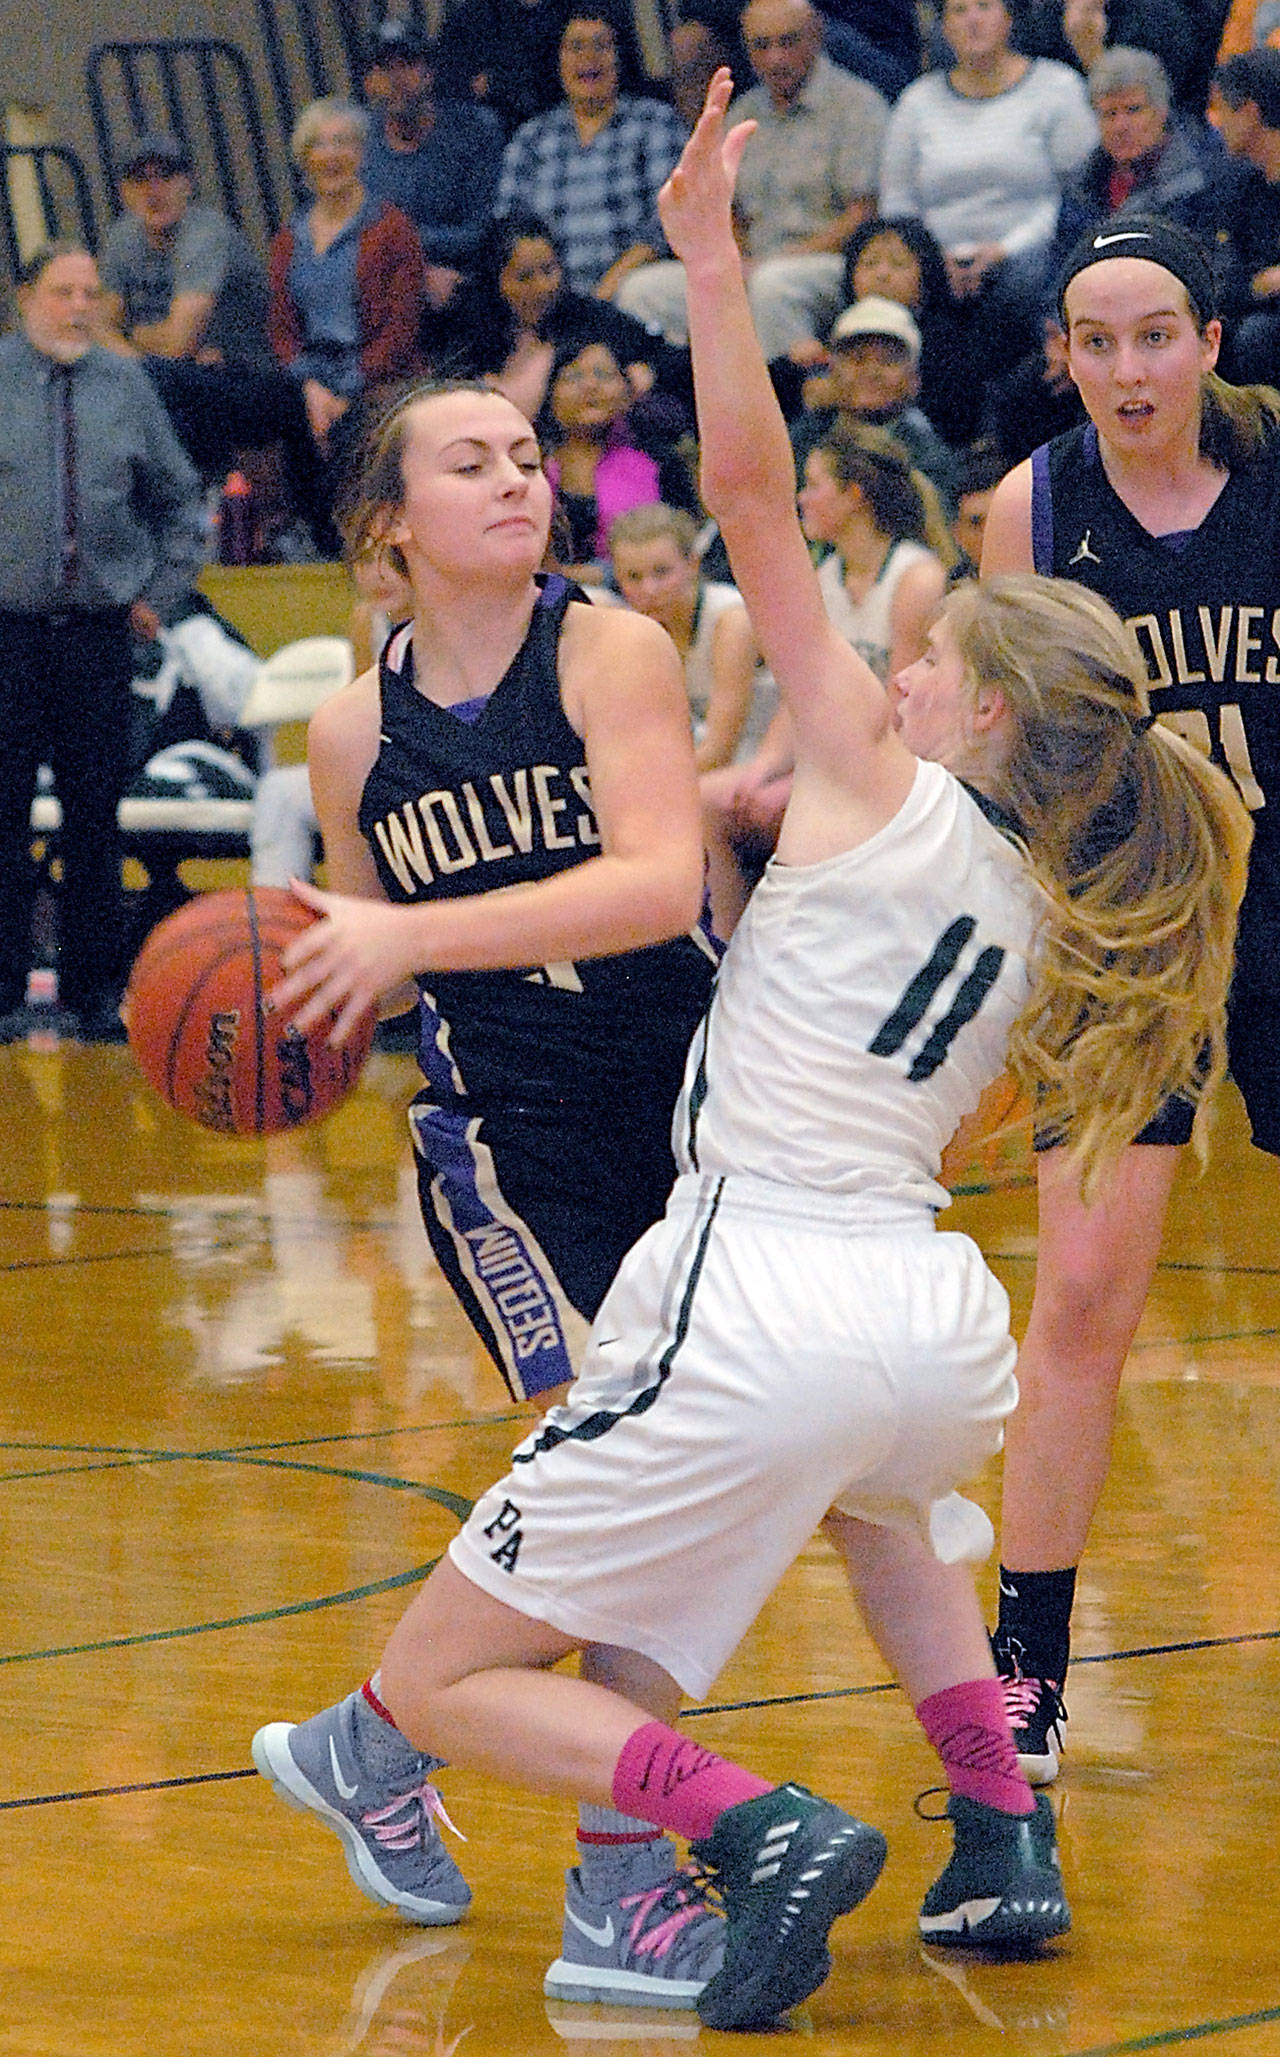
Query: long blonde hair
x=1139 y=846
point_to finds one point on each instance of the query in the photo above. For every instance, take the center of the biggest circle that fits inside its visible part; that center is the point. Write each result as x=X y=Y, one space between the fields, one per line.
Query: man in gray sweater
x=101 y=535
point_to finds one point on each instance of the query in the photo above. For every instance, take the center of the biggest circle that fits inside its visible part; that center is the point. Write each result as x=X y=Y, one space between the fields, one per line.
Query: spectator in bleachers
x=1249 y=25
x=1035 y=400
x=517 y=313
x=592 y=167
x=346 y=281
x=505 y=54
x=808 y=180
x=435 y=159
x=980 y=152
x=874 y=381
x=706 y=35
x=1245 y=107
x=180 y=278
x=595 y=460
x=186 y=292
x=900 y=260
x=981 y=469
x=1146 y=157
x=1078 y=32
x=101 y=534
x=653 y=550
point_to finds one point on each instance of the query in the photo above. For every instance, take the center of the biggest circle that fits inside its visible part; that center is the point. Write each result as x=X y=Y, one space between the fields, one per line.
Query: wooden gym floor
x=240 y=1415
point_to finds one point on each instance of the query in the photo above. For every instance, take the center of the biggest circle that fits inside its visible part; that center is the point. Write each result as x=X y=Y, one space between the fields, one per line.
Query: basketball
x=201 y=1034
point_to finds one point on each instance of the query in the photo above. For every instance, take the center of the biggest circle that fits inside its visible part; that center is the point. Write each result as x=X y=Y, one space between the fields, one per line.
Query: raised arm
x=841 y=716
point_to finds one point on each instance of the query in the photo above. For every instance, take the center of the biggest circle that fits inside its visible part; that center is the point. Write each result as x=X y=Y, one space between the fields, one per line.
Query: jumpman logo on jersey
x=1085 y=552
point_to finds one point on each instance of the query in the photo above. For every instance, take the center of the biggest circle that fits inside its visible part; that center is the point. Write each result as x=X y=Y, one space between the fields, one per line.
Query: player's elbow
x=669 y=900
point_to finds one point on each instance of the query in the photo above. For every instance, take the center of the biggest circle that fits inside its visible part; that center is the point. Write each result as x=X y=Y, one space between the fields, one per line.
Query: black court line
x=1166 y=2038
x=75 y=1263
x=1187 y=1648
x=146 y=1785
x=687 y=1714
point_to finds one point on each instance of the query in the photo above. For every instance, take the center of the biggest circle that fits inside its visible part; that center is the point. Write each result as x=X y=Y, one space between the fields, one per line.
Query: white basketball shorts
x=763 y=1355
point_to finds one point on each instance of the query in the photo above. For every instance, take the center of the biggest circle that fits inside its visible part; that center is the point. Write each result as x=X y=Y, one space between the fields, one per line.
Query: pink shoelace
x=401 y=1824
x=688 y=1891
x=1023 y=1695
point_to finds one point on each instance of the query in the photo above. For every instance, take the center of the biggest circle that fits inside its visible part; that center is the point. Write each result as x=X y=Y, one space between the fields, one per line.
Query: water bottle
x=237 y=522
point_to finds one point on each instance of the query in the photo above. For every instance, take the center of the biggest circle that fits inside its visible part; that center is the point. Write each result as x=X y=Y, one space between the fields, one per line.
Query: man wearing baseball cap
x=185 y=291
x=181 y=278
x=874 y=377
x=435 y=159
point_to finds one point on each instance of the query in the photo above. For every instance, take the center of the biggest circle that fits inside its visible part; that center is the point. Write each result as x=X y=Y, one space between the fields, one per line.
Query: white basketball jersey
x=863 y=1006
x=868 y=623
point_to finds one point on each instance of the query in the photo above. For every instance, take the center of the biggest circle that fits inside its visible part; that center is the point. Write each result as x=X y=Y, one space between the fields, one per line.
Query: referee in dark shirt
x=101 y=534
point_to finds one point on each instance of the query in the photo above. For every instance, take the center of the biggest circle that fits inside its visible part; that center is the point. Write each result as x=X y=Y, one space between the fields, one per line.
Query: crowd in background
x=485 y=207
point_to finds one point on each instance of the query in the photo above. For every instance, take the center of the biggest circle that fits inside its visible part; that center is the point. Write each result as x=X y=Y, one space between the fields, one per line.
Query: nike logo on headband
x=1121 y=236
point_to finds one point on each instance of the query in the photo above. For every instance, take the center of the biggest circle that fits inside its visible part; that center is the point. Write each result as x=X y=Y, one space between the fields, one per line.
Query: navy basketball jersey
x=1205 y=605
x=453 y=807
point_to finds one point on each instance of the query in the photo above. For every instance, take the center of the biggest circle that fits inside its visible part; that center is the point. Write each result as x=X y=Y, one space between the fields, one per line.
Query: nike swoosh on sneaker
x=347 y=1792
x=602 y=1935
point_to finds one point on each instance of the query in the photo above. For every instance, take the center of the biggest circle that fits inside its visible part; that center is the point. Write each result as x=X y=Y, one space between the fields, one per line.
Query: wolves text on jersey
x=1220 y=646
x=487 y=821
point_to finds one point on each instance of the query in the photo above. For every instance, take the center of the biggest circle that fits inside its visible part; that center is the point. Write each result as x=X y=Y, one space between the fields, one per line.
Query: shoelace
x=1022 y=1696
x=402 y=1824
x=942 y=1793
x=686 y=1896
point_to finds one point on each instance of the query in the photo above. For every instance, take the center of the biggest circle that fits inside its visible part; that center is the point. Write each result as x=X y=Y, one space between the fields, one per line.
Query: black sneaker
x=787 y=1865
x=1003 y=1885
x=1036 y=1715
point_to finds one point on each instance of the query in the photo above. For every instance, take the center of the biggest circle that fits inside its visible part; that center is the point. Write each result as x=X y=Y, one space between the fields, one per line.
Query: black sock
x=1033 y=1634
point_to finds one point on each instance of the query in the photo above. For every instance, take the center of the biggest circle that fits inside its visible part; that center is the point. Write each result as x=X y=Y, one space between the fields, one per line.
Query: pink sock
x=969 y=1729
x=663 y=1777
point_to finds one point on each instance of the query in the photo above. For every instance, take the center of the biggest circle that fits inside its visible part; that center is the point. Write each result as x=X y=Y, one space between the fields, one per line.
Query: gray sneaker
x=655 y=1947
x=393 y=1847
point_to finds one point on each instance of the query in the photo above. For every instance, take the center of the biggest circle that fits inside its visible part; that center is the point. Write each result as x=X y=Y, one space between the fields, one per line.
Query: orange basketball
x=200 y=1032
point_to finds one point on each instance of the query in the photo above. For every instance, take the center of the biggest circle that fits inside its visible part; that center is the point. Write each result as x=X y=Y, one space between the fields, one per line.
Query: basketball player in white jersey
x=794 y=1337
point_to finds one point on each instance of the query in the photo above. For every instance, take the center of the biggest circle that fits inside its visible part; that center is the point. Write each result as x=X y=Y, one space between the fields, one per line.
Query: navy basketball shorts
x=1253 y=1012
x=529 y=1213
x=765 y=1354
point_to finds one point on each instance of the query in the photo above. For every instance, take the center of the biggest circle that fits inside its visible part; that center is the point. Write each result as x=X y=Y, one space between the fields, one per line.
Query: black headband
x=1160 y=242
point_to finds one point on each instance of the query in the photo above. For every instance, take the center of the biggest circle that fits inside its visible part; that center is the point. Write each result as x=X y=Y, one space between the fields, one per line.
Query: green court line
x=1164 y=2039
x=202 y=1628
x=125 y=1457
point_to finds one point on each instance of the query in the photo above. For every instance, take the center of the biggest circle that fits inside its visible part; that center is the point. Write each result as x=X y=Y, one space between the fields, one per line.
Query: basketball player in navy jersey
x=508 y=806
x=794 y=1337
x=1167 y=502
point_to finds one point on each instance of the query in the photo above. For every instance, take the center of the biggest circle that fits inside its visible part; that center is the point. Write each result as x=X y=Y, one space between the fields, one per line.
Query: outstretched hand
x=342 y=964
x=696 y=202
